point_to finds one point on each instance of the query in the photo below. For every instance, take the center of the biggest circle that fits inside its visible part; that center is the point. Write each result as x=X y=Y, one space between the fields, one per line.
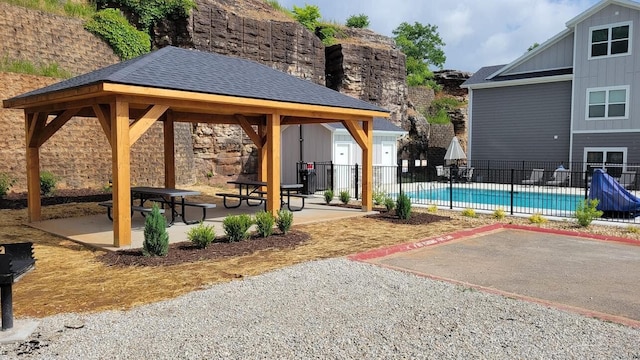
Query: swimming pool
x=502 y=198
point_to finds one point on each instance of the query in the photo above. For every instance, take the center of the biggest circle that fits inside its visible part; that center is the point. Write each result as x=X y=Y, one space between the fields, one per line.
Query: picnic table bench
x=250 y=192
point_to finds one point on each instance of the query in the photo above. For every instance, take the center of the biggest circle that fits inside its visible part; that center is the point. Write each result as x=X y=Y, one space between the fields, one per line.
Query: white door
x=342 y=167
x=388 y=156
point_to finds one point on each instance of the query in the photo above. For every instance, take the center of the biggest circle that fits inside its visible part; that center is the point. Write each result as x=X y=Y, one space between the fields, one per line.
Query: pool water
x=536 y=200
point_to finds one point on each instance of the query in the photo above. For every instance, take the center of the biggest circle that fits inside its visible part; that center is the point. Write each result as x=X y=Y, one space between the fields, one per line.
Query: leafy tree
x=307 y=16
x=358 y=21
x=423 y=46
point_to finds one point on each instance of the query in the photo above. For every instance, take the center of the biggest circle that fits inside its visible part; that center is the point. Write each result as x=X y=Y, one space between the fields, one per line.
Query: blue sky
x=477 y=33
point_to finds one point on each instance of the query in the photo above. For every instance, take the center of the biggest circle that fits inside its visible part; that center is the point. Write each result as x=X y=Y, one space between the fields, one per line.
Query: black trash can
x=309 y=181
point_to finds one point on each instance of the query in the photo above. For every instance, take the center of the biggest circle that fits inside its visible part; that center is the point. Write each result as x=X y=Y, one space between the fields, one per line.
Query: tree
x=307 y=16
x=423 y=46
x=358 y=21
x=535 y=45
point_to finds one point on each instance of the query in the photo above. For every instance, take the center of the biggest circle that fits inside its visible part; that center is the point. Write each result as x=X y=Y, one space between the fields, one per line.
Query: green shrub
x=345 y=196
x=328 y=196
x=469 y=212
x=433 y=208
x=389 y=203
x=360 y=21
x=237 y=227
x=499 y=214
x=379 y=197
x=403 y=206
x=586 y=211
x=439 y=109
x=264 y=223
x=537 y=218
x=156 y=238
x=284 y=221
x=327 y=32
x=125 y=40
x=307 y=16
x=201 y=235
x=633 y=229
x=48 y=183
x=6 y=182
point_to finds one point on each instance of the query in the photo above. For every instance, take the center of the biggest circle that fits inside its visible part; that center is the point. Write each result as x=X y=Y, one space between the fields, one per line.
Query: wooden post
x=121 y=173
x=273 y=163
x=262 y=154
x=169 y=152
x=33 y=169
x=367 y=166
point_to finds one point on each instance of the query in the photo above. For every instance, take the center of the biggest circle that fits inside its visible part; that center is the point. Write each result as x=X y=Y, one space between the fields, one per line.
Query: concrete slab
x=97 y=230
x=20 y=331
x=591 y=276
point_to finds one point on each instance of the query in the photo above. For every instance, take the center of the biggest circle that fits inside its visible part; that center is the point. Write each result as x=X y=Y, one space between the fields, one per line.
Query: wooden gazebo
x=178 y=85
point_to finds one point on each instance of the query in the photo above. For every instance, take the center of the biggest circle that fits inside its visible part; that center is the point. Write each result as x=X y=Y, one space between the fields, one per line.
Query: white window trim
x=627 y=89
x=609 y=26
x=604 y=150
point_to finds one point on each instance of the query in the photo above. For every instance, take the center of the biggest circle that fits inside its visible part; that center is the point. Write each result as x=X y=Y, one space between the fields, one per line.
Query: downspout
x=301 y=139
x=573 y=97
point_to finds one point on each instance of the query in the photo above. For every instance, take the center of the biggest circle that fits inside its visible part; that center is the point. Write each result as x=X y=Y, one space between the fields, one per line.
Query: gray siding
x=520 y=122
x=557 y=56
x=631 y=141
x=607 y=71
x=316 y=147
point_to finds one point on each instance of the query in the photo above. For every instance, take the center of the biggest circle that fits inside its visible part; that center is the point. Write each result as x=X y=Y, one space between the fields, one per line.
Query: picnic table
x=167 y=198
x=251 y=192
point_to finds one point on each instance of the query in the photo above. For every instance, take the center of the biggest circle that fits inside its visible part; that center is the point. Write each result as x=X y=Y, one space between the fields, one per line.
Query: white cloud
x=476 y=32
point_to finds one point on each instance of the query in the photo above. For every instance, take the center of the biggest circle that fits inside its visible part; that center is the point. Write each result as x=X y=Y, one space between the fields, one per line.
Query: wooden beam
x=367 y=166
x=75 y=94
x=121 y=170
x=62 y=105
x=298 y=120
x=273 y=160
x=142 y=124
x=182 y=116
x=103 y=113
x=263 y=154
x=33 y=171
x=169 y=152
x=248 y=129
x=35 y=127
x=356 y=132
x=54 y=125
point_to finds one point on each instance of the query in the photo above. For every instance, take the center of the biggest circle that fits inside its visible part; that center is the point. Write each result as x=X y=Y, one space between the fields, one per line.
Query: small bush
x=633 y=229
x=344 y=196
x=433 y=208
x=379 y=197
x=586 y=211
x=201 y=235
x=6 y=182
x=537 y=218
x=360 y=21
x=468 y=212
x=499 y=214
x=264 y=223
x=403 y=206
x=125 y=40
x=156 y=238
x=284 y=220
x=237 y=227
x=328 y=196
x=389 y=203
x=48 y=183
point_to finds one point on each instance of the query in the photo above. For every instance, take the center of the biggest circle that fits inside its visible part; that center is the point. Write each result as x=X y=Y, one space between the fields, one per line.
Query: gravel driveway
x=331 y=309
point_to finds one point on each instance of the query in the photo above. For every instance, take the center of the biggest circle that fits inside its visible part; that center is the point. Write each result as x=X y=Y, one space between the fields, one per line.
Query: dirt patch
x=186 y=252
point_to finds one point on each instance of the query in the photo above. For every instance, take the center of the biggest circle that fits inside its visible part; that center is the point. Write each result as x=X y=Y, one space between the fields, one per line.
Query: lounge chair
x=560 y=177
x=627 y=179
x=535 y=178
x=442 y=172
x=465 y=173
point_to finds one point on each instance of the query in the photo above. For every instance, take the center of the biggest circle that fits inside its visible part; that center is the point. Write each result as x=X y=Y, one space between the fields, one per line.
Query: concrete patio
x=97 y=230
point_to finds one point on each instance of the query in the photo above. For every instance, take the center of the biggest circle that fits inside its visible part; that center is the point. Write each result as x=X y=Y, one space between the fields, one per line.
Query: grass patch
x=27 y=67
x=57 y=7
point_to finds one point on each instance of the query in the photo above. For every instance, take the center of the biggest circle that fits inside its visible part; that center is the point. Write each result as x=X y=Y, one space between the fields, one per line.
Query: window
x=612 y=160
x=612 y=40
x=608 y=103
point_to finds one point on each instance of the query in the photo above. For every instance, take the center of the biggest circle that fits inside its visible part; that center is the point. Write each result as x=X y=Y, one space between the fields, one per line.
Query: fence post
x=399 y=176
x=512 y=174
x=586 y=184
x=331 y=177
x=357 y=179
x=450 y=189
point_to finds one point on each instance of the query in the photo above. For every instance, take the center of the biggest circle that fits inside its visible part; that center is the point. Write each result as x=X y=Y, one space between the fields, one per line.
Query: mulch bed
x=185 y=252
x=17 y=201
x=416 y=218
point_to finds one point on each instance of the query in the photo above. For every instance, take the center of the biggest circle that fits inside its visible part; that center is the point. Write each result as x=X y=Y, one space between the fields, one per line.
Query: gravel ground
x=330 y=309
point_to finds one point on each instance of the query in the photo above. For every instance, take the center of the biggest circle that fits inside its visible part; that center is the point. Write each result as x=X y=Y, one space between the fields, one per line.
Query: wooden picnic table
x=251 y=192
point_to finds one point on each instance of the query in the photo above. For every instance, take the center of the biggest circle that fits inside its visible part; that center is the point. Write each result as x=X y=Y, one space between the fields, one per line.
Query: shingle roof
x=480 y=77
x=203 y=72
x=379 y=124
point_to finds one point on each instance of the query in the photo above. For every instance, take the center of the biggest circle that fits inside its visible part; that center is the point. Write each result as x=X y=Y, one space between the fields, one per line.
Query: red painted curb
x=573 y=233
x=375 y=253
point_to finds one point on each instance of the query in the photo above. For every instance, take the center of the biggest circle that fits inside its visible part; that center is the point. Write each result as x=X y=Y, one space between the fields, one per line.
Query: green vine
x=125 y=40
x=147 y=13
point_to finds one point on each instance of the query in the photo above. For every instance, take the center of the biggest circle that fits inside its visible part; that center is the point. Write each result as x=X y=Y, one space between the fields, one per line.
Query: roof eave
x=517 y=82
x=599 y=6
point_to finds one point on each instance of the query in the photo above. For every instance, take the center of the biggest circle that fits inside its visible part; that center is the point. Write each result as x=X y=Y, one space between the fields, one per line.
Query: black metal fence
x=546 y=188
